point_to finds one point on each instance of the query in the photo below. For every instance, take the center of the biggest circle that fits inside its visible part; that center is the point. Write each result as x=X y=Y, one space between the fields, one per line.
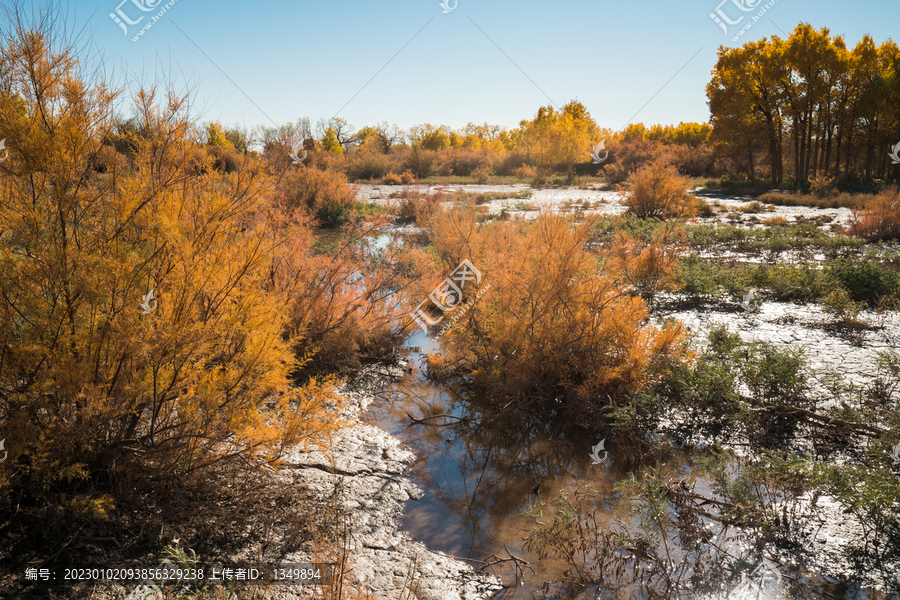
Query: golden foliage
x=646 y=266
x=553 y=325
x=658 y=191
x=94 y=373
x=345 y=304
x=324 y=194
x=777 y=220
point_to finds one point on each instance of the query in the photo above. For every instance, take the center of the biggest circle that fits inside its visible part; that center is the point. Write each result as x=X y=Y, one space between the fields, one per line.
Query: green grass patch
x=335 y=215
x=872 y=283
x=778 y=238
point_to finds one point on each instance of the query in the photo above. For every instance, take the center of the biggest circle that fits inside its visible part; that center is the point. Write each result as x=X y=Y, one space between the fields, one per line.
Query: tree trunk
x=849 y=147
x=798 y=164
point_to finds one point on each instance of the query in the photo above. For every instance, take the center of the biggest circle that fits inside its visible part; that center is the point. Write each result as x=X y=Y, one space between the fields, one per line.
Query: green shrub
x=865 y=281
x=839 y=305
x=774 y=375
x=709 y=281
x=791 y=282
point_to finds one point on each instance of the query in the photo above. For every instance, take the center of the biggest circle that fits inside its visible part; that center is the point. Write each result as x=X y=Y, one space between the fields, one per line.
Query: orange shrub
x=647 y=267
x=524 y=172
x=462 y=161
x=658 y=191
x=822 y=186
x=139 y=302
x=224 y=158
x=327 y=161
x=879 y=219
x=413 y=203
x=634 y=154
x=391 y=179
x=483 y=174
x=776 y=220
x=692 y=161
x=368 y=164
x=346 y=304
x=323 y=194
x=554 y=330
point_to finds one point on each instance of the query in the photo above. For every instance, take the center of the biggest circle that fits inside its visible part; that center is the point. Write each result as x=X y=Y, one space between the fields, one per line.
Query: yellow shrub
x=776 y=220
x=552 y=325
x=391 y=179
x=658 y=191
x=139 y=327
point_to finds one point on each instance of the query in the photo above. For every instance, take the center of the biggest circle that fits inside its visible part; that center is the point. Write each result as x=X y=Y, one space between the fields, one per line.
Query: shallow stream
x=480 y=473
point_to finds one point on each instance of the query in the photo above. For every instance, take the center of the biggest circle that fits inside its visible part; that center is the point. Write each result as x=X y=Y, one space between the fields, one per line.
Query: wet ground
x=478 y=479
x=604 y=201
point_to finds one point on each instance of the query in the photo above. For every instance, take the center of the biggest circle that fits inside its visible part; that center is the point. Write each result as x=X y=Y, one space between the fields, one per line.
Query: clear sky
x=407 y=62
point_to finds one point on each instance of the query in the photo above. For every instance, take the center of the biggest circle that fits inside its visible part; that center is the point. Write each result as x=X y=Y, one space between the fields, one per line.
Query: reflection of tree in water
x=503 y=463
x=499 y=463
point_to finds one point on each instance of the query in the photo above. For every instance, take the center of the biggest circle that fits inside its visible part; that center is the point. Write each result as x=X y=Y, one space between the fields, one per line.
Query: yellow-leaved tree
x=141 y=331
x=573 y=136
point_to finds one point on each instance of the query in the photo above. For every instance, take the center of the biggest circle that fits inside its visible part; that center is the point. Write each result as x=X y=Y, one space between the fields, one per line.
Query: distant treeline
x=800 y=108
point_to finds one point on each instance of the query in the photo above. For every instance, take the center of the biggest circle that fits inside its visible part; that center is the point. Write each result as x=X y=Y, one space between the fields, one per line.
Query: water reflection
x=481 y=470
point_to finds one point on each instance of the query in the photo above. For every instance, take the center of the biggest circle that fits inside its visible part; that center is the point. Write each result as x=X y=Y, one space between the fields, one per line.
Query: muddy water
x=479 y=478
x=480 y=473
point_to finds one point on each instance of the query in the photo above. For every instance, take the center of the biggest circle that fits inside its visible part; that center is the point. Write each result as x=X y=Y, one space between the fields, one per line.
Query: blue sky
x=251 y=63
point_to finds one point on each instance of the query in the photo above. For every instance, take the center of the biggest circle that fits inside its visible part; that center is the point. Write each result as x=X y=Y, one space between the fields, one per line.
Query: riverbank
x=339 y=504
x=366 y=466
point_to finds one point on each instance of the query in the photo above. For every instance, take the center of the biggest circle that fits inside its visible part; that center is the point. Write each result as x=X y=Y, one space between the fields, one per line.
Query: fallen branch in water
x=823 y=420
x=494 y=560
x=423 y=420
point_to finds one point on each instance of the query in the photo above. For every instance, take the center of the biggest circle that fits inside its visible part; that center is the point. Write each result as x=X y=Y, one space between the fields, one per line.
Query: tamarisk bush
x=141 y=334
x=553 y=331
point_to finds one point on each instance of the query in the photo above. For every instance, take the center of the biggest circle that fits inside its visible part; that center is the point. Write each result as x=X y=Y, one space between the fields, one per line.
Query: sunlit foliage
x=553 y=330
x=140 y=331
